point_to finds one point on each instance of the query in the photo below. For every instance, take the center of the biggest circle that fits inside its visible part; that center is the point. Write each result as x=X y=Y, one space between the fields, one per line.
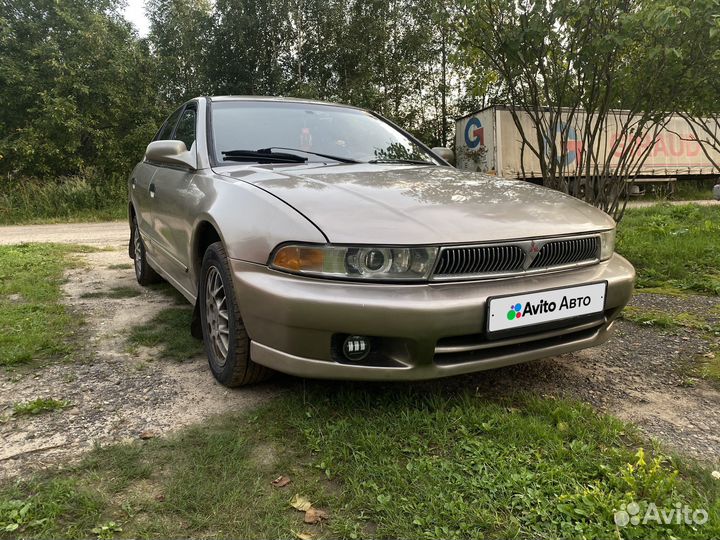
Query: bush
x=83 y=197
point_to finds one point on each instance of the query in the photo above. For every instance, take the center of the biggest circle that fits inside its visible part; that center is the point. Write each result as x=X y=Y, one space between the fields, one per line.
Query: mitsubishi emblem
x=532 y=252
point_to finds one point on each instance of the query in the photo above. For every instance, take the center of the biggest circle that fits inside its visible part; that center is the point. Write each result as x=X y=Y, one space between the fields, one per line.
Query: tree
x=75 y=88
x=697 y=43
x=249 y=52
x=567 y=66
x=180 y=31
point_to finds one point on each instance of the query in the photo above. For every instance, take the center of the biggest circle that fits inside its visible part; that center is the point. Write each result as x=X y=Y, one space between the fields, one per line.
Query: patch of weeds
x=40 y=405
x=106 y=531
x=708 y=365
x=114 y=293
x=124 y=266
x=40 y=326
x=15 y=515
x=667 y=291
x=673 y=246
x=46 y=503
x=661 y=319
x=169 y=330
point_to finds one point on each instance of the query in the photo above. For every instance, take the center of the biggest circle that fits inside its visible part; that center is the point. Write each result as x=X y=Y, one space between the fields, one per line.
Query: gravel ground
x=115 y=394
x=641 y=375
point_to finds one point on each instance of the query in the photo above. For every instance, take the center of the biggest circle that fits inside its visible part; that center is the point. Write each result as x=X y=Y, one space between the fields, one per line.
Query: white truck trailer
x=489 y=141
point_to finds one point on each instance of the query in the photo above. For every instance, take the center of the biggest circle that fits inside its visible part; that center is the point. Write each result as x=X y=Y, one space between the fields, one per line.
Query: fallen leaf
x=160 y=498
x=709 y=355
x=303 y=535
x=315 y=515
x=300 y=503
x=281 y=481
x=147 y=434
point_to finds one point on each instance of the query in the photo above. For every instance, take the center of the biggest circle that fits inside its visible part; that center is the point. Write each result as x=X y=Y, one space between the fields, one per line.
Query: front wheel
x=227 y=343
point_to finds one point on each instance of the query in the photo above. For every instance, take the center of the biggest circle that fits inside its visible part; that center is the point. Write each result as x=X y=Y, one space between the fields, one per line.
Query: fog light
x=356 y=348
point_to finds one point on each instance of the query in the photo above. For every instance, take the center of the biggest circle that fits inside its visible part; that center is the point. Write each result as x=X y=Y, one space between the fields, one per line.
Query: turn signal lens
x=299 y=259
x=607 y=244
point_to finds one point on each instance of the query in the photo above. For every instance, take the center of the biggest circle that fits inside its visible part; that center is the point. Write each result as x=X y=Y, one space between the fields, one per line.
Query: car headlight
x=356 y=262
x=607 y=244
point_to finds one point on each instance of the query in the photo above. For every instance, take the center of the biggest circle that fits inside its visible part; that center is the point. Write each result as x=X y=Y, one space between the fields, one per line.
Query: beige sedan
x=321 y=240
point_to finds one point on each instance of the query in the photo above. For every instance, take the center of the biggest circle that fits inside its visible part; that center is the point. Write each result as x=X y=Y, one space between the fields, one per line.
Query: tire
x=144 y=273
x=226 y=341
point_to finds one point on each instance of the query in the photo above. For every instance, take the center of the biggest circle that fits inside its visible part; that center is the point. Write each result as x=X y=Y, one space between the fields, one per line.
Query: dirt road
x=94 y=234
x=120 y=394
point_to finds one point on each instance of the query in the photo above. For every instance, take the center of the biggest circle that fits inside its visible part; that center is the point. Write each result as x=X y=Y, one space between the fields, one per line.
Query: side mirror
x=170 y=153
x=445 y=153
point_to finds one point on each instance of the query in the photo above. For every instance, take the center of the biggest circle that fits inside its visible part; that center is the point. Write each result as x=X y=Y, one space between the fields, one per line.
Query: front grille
x=467 y=262
x=561 y=252
x=480 y=260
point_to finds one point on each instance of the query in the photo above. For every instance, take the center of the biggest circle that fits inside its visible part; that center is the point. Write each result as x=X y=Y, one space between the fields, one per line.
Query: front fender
x=250 y=221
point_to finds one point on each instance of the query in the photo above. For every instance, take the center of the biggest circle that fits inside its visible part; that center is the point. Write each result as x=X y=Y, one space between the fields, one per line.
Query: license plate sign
x=522 y=310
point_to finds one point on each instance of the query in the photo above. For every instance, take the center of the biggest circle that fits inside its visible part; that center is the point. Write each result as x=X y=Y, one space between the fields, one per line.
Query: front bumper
x=421 y=331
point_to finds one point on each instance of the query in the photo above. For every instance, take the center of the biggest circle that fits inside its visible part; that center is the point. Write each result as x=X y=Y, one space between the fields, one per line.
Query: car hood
x=401 y=204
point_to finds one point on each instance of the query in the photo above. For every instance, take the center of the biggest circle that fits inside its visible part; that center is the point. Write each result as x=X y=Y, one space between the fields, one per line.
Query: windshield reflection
x=349 y=134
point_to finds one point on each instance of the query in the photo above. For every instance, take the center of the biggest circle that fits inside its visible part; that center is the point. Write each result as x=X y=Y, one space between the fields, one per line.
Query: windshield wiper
x=328 y=156
x=262 y=156
x=408 y=161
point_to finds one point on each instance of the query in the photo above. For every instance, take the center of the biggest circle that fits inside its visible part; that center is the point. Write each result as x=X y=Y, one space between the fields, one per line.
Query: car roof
x=279 y=99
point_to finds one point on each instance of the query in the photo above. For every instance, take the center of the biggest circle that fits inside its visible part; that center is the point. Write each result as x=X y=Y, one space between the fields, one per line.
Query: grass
x=40 y=405
x=685 y=190
x=34 y=324
x=114 y=293
x=384 y=462
x=662 y=319
x=60 y=200
x=170 y=331
x=673 y=247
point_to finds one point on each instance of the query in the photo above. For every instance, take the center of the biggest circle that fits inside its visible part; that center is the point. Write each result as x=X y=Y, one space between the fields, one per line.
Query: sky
x=135 y=13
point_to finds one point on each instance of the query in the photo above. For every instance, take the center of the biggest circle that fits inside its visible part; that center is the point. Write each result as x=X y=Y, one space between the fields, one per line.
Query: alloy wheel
x=216 y=316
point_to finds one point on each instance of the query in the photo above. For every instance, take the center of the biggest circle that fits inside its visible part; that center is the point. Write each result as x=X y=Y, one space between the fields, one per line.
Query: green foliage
x=107 y=530
x=661 y=319
x=81 y=94
x=34 y=324
x=40 y=405
x=673 y=246
x=76 y=89
x=45 y=506
x=385 y=462
x=15 y=515
x=85 y=197
x=180 y=32
x=459 y=467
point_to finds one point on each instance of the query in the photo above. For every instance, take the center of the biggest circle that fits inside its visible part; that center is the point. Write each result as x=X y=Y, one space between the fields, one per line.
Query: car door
x=143 y=195
x=170 y=190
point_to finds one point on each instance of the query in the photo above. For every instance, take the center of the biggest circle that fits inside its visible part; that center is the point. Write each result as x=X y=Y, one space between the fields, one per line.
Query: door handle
x=152 y=191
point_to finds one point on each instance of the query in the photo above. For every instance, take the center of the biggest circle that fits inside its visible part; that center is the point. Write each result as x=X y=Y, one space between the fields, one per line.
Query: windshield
x=347 y=134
